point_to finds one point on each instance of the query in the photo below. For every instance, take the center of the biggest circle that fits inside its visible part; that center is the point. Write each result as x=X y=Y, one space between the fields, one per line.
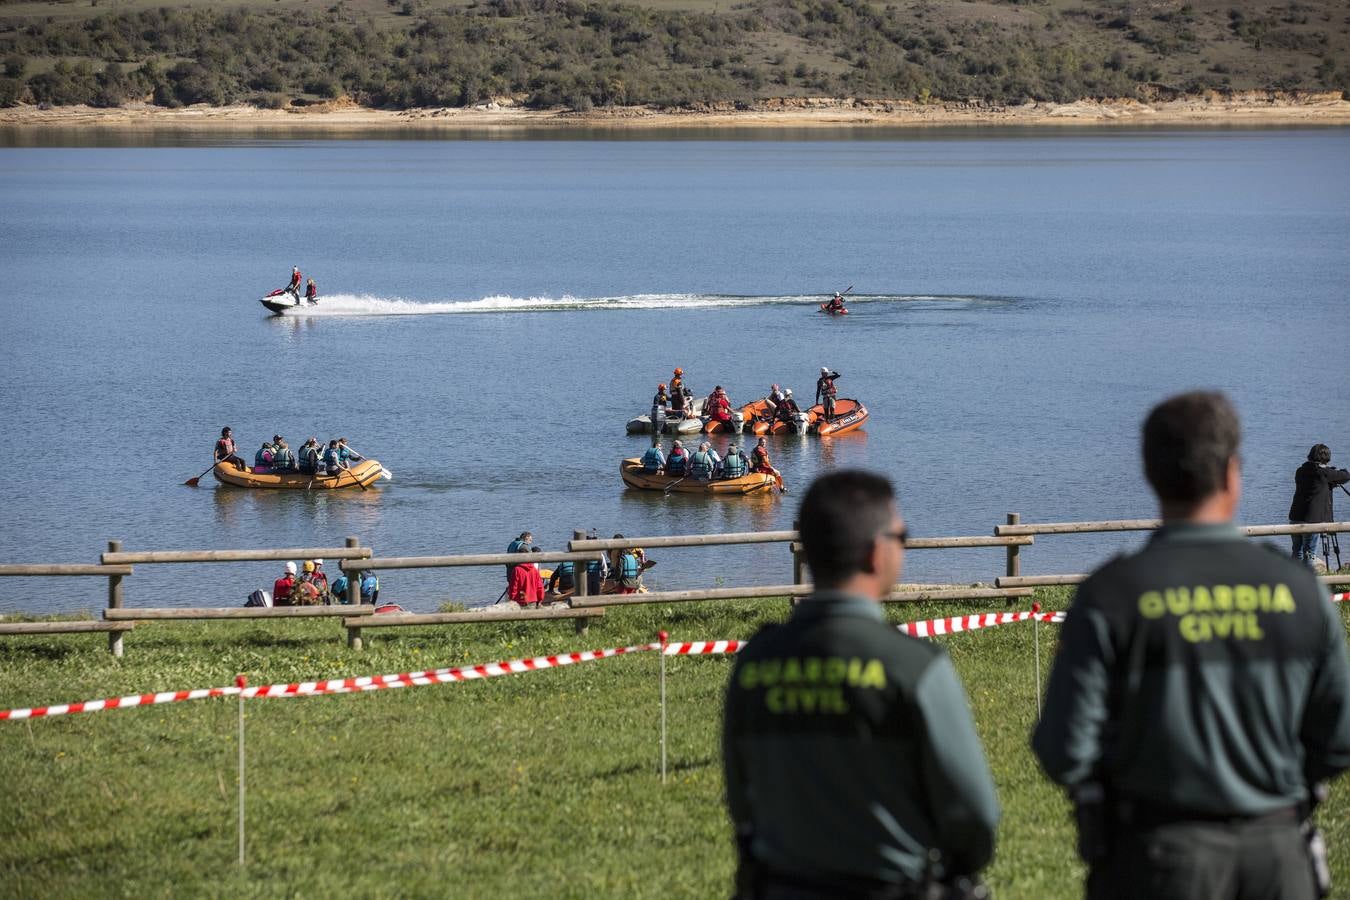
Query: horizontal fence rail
x=481 y=559
x=1154 y=524
x=792 y=537
x=63 y=569
x=204 y=556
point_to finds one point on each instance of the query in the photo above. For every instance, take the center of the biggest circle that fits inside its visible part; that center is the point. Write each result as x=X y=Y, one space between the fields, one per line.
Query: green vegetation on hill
x=578 y=54
x=540 y=784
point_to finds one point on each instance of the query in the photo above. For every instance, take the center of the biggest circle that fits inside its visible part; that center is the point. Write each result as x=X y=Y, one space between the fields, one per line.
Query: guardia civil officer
x=1200 y=692
x=852 y=766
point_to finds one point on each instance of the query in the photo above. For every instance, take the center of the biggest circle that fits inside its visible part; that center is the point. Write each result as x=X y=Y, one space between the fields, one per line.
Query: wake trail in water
x=369 y=305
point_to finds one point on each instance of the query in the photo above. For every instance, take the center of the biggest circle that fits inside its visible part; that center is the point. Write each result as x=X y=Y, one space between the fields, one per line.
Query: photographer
x=1313 y=484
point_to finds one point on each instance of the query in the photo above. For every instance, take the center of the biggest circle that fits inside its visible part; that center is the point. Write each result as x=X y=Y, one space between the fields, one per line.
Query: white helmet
x=788 y=392
x=318 y=562
x=290 y=568
x=824 y=370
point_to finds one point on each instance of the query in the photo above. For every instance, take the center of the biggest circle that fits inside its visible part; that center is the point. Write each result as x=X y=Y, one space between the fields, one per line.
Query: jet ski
x=281 y=300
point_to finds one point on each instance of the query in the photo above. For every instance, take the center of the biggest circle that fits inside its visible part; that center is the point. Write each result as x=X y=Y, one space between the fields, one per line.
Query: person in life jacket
x=518 y=545
x=759 y=462
x=825 y=391
x=775 y=399
x=320 y=581
x=283 y=460
x=346 y=455
x=561 y=579
x=332 y=459
x=628 y=570
x=659 y=404
x=654 y=460
x=836 y=302
x=309 y=457
x=262 y=460
x=678 y=462
x=788 y=408
x=305 y=592
x=224 y=451
x=294 y=287
x=312 y=292
x=734 y=464
x=370 y=587
x=701 y=464
x=281 y=588
x=718 y=406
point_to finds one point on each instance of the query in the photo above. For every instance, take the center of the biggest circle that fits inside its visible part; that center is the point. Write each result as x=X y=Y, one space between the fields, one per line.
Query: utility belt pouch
x=1317 y=855
x=1094 y=823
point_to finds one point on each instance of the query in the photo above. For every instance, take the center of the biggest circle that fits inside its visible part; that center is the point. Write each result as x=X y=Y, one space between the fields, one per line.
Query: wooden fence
x=116 y=565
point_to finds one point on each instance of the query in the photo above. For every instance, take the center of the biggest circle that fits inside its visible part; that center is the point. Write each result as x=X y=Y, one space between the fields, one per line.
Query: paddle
x=673 y=483
x=192 y=482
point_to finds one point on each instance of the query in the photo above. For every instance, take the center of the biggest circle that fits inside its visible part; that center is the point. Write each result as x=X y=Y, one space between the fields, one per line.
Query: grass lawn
x=544 y=783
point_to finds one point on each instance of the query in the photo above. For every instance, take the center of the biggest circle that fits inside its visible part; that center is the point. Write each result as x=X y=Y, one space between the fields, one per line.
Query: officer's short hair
x=841 y=515
x=1320 y=453
x=1187 y=443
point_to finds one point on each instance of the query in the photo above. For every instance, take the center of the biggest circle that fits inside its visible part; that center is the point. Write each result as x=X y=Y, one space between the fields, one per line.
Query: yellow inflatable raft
x=633 y=476
x=363 y=474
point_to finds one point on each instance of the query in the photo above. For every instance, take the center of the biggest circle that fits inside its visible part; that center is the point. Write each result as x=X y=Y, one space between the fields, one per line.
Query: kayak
x=757 y=414
x=848 y=416
x=825 y=308
x=691 y=425
x=281 y=300
x=363 y=474
x=751 y=482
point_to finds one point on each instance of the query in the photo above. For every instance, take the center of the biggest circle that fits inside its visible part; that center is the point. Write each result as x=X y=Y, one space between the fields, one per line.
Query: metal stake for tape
x=663 y=636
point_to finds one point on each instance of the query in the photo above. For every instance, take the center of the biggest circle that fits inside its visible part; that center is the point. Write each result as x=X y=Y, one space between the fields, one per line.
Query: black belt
x=1137 y=814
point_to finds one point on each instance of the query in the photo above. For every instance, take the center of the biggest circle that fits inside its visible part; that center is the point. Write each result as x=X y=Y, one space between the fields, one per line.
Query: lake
x=493 y=311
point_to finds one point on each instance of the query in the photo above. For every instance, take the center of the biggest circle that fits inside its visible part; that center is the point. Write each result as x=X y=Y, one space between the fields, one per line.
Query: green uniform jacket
x=849 y=751
x=1205 y=674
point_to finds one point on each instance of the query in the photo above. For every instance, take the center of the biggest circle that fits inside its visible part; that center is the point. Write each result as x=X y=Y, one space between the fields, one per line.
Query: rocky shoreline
x=1241 y=109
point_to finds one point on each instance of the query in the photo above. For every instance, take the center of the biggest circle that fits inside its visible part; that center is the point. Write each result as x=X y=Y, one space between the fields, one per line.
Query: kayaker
x=659 y=404
x=225 y=449
x=281 y=588
x=836 y=303
x=701 y=464
x=283 y=460
x=312 y=292
x=759 y=462
x=734 y=464
x=677 y=464
x=346 y=455
x=262 y=460
x=309 y=457
x=825 y=391
x=294 y=287
x=654 y=460
x=332 y=461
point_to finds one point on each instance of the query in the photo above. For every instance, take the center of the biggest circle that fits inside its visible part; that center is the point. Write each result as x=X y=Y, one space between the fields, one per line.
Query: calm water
x=495 y=310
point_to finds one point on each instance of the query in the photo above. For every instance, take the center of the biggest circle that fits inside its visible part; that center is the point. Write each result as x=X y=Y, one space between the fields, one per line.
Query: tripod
x=1331 y=543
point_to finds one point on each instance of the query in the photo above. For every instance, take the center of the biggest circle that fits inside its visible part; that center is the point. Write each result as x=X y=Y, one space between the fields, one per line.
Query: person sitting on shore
x=627 y=570
x=262 y=460
x=332 y=460
x=677 y=464
x=654 y=460
x=305 y=592
x=562 y=579
x=312 y=292
x=523 y=586
x=281 y=588
x=224 y=452
x=734 y=464
x=309 y=457
x=370 y=587
x=320 y=581
x=283 y=460
x=759 y=462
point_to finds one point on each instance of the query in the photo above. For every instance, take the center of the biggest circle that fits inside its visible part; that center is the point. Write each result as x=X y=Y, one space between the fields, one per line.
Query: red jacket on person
x=281 y=590
x=524 y=586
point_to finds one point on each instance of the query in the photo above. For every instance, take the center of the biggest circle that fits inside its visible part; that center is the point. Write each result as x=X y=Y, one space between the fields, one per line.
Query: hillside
x=400 y=54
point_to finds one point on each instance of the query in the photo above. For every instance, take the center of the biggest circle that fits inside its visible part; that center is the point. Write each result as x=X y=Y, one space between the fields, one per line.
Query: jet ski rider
x=294 y=287
x=312 y=292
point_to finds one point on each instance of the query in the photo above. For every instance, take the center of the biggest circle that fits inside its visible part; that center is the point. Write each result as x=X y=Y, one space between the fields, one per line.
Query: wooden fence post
x=115 y=601
x=1014 y=567
x=354 y=599
x=798 y=567
x=580 y=582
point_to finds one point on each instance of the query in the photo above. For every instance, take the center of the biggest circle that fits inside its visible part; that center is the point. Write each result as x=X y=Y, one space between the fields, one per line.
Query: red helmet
x=661 y=387
x=679 y=371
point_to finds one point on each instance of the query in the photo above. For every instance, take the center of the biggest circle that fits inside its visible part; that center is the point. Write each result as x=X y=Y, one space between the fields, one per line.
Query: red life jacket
x=295 y=279
x=312 y=291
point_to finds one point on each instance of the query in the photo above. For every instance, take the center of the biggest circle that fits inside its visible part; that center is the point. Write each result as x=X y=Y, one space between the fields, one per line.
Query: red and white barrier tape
x=700 y=648
x=334 y=686
x=1340 y=598
x=935 y=627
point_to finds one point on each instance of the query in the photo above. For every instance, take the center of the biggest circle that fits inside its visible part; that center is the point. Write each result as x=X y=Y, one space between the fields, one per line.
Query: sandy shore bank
x=1253 y=109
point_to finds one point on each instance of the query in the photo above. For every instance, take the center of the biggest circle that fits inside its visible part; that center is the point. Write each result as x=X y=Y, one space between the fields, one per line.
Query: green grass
x=538 y=784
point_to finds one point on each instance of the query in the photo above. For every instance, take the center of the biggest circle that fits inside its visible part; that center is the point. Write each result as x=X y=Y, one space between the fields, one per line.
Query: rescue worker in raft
x=1201 y=691
x=852 y=766
x=679 y=406
x=225 y=449
x=677 y=464
x=788 y=409
x=718 y=407
x=759 y=462
x=659 y=404
x=654 y=460
x=826 y=391
x=309 y=457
